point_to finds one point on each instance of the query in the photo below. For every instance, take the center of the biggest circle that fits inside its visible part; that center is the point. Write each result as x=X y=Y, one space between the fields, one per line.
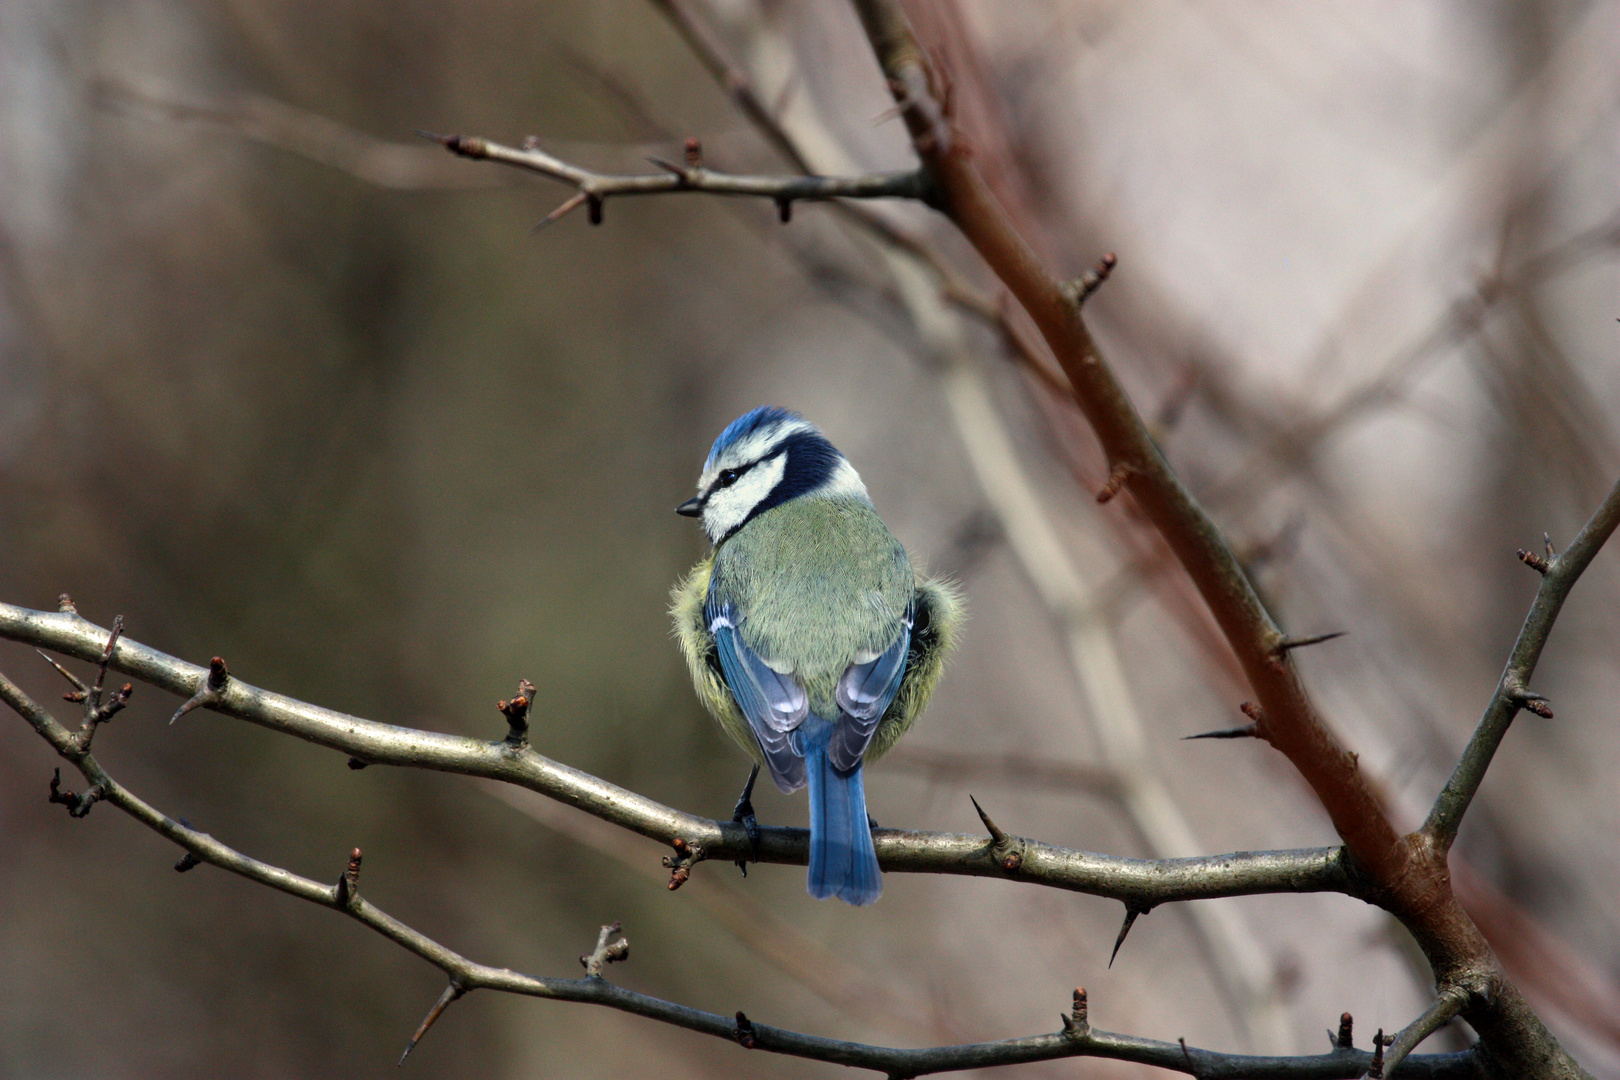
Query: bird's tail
x=842 y=860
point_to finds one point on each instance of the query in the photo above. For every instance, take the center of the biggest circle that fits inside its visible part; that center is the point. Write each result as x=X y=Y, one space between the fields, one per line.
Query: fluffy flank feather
x=697 y=647
x=938 y=624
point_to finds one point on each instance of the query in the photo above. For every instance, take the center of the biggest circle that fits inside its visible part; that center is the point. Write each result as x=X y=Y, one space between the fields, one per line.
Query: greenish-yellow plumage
x=822 y=584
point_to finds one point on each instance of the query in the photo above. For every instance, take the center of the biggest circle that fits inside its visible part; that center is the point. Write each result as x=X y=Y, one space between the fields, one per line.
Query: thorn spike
x=995 y=833
x=1125 y=928
x=450 y=994
x=1289 y=644
x=1249 y=732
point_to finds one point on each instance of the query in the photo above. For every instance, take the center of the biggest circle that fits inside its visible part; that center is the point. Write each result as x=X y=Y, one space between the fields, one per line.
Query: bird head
x=763 y=459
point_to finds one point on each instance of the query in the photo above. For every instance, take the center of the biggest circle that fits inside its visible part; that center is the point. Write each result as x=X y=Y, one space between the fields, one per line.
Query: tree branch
x=1143 y=882
x=466 y=975
x=1559 y=574
x=1451 y=1001
x=1405 y=875
x=593 y=189
x=1292 y=723
x=1410 y=873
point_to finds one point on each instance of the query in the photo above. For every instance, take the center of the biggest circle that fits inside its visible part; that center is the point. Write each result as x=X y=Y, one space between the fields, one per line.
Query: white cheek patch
x=729 y=507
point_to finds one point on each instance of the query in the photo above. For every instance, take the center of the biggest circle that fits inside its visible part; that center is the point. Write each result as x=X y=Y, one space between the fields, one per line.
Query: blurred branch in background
x=1236 y=959
x=387 y=164
x=829 y=976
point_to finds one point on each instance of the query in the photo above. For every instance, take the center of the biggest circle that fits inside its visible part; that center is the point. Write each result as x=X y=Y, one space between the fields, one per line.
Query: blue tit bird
x=809 y=635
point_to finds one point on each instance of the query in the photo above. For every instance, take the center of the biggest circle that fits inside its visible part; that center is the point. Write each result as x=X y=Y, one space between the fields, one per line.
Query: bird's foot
x=743 y=814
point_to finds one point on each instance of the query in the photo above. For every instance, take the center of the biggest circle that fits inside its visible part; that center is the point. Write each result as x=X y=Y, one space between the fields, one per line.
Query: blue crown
x=748 y=423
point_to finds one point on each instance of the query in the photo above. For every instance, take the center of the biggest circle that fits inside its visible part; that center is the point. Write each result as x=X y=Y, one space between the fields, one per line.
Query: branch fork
x=687 y=855
x=96 y=710
x=605 y=952
x=593 y=189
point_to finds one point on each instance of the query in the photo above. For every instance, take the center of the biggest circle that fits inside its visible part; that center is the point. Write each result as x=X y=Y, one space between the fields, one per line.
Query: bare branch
x=597 y=188
x=1299 y=732
x=466 y=975
x=1451 y=1001
x=606 y=951
x=1150 y=881
x=1409 y=873
x=1559 y=574
x=992 y=311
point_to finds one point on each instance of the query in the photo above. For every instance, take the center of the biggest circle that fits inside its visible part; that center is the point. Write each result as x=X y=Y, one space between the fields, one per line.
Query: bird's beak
x=692 y=507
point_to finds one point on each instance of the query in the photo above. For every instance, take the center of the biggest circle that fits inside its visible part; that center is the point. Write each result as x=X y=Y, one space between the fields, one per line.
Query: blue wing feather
x=864 y=694
x=772 y=703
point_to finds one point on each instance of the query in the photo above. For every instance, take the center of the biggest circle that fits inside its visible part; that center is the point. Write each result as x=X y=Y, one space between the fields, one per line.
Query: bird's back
x=821 y=584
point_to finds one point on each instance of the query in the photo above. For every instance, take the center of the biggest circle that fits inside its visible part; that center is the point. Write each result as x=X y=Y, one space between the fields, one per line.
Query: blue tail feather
x=843 y=862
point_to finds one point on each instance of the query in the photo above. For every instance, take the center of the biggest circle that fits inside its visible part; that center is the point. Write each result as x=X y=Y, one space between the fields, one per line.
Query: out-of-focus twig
x=1236 y=958
x=1559 y=572
x=398 y=166
x=1068 y=777
x=1294 y=447
x=593 y=189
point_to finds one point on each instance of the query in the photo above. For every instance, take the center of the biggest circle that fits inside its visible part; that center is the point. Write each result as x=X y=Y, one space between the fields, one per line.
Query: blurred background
x=281 y=383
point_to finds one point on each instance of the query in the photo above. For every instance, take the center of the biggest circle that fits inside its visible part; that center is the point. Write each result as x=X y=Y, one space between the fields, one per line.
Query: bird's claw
x=743 y=814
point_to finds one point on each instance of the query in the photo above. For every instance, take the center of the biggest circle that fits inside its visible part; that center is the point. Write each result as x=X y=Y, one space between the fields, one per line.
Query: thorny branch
x=1559 y=572
x=466 y=975
x=593 y=189
x=1410 y=872
x=1451 y=1001
x=1131 y=881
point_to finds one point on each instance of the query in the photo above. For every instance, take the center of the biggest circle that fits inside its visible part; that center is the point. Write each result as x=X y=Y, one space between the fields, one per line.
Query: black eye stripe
x=728 y=477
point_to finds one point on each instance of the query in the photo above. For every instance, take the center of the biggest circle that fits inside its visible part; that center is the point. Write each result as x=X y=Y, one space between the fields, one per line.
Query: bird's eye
x=727 y=478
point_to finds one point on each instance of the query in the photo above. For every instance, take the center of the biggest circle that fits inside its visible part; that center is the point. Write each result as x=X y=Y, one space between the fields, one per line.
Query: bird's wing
x=863 y=695
x=773 y=704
